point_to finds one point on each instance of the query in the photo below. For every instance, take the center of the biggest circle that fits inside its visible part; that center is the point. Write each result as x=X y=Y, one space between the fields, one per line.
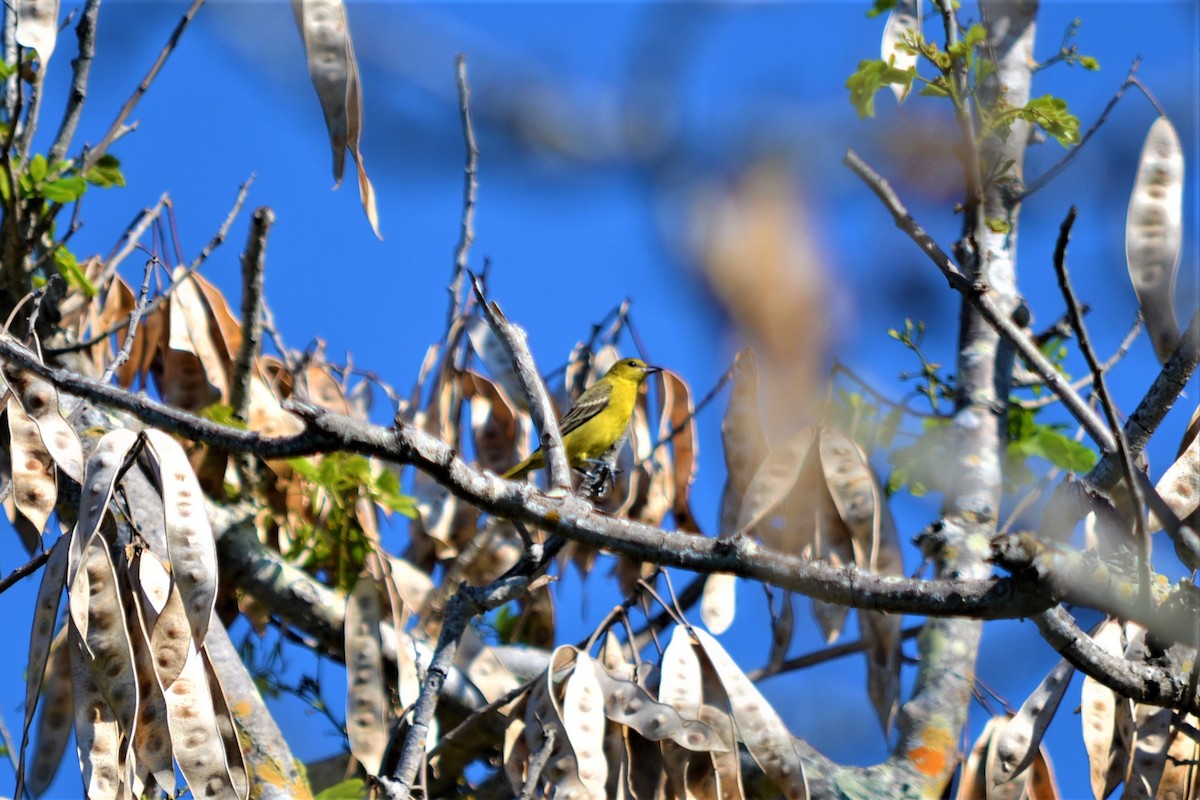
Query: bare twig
x=466 y=235
x=131 y=238
x=1054 y=171
x=1086 y=380
x=1188 y=352
x=1110 y=411
x=24 y=571
x=213 y=243
x=826 y=654
x=686 y=421
x=81 y=67
x=253 y=267
x=29 y=128
x=11 y=52
x=540 y=407
x=467 y=603
x=135 y=317
x=537 y=763
x=966 y=121
x=1050 y=376
x=118 y=127
x=1162 y=112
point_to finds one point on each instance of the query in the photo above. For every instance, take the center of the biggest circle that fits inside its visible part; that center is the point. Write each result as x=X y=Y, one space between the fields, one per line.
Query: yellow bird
x=599 y=417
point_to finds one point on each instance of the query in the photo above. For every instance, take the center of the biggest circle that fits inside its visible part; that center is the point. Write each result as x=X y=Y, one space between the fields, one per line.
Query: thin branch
x=24 y=571
x=688 y=420
x=81 y=67
x=253 y=267
x=1086 y=380
x=135 y=317
x=118 y=127
x=467 y=603
x=1184 y=360
x=537 y=763
x=466 y=235
x=31 y=115
x=131 y=238
x=826 y=654
x=1162 y=112
x=1040 y=365
x=1110 y=411
x=1054 y=171
x=540 y=408
x=213 y=243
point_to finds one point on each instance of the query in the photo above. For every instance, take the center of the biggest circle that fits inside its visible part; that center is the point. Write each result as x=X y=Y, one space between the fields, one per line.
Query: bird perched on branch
x=598 y=419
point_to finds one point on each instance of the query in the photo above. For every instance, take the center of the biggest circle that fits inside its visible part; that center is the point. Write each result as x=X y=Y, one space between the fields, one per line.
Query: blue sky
x=570 y=234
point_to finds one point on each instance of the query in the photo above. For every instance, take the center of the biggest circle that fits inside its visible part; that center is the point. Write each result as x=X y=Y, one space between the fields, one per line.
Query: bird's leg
x=598 y=477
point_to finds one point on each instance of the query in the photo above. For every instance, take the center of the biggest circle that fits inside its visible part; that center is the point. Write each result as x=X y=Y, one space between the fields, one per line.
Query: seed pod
x=1154 y=233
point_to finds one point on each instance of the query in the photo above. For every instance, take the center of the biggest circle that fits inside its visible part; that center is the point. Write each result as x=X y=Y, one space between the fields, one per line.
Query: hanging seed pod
x=1154 y=233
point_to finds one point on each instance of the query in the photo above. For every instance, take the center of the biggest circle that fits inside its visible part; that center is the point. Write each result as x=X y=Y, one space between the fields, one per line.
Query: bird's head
x=631 y=369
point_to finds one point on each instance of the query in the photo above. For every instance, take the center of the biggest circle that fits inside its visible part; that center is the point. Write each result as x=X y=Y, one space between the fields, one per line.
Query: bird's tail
x=534 y=461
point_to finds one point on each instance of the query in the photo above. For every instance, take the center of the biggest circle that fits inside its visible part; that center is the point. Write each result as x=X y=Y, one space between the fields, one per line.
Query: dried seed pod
x=41 y=638
x=34 y=488
x=761 y=729
x=199 y=749
x=97 y=736
x=366 y=696
x=57 y=718
x=193 y=550
x=583 y=721
x=39 y=398
x=1154 y=233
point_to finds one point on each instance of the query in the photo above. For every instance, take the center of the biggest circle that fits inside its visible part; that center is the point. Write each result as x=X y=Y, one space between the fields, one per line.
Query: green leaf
x=38 y=168
x=1063 y=451
x=106 y=173
x=222 y=414
x=1050 y=114
x=63 y=190
x=998 y=225
x=346 y=790
x=69 y=268
x=1089 y=63
x=965 y=47
x=870 y=78
x=935 y=88
x=881 y=7
x=304 y=467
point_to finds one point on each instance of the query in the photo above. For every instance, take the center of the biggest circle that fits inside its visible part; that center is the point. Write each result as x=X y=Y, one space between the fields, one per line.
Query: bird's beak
x=651 y=370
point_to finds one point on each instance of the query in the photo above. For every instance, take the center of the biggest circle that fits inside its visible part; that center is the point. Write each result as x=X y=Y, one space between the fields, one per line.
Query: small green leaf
x=69 y=268
x=881 y=7
x=222 y=414
x=346 y=790
x=935 y=88
x=870 y=78
x=1089 y=63
x=1063 y=451
x=997 y=225
x=63 y=190
x=1050 y=114
x=106 y=173
x=38 y=168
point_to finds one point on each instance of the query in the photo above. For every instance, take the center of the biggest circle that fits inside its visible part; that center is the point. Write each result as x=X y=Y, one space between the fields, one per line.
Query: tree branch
x=253 y=268
x=566 y=515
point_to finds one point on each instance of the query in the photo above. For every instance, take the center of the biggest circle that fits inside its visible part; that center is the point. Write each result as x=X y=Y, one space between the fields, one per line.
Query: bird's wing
x=589 y=404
